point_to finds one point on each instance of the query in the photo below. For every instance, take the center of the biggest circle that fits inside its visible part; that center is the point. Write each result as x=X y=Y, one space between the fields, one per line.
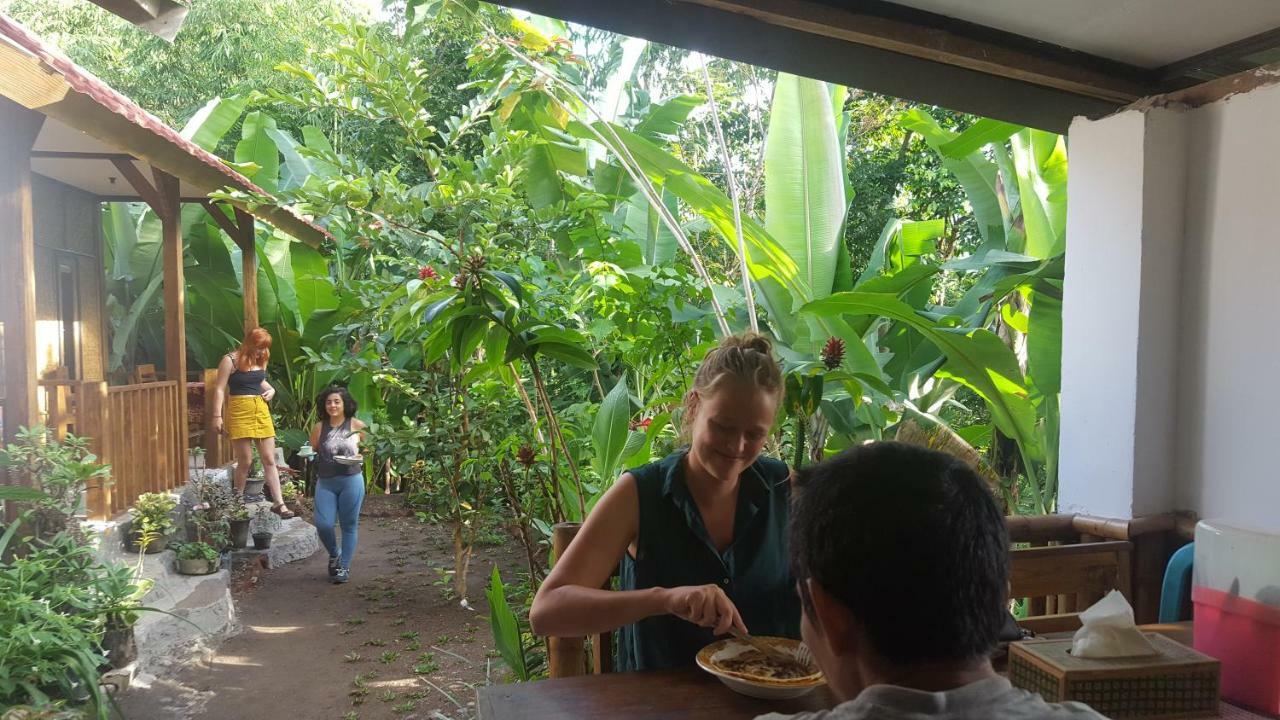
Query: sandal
x=283 y=511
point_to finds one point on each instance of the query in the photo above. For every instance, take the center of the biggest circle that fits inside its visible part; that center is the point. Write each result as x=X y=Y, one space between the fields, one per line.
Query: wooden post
x=212 y=438
x=18 y=291
x=249 y=268
x=175 y=305
x=566 y=656
x=92 y=421
x=17 y=257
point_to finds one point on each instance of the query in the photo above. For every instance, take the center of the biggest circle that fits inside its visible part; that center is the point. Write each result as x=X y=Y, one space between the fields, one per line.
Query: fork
x=803 y=657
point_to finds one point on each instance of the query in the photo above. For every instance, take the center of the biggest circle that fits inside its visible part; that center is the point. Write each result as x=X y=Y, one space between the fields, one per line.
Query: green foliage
x=196 y=551
x=60 y=470
x=518 y=650
x=151 y=517
x=56 y=602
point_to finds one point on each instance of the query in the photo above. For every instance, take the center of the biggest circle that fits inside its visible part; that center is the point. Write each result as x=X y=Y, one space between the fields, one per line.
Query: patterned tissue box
x=1178 y=682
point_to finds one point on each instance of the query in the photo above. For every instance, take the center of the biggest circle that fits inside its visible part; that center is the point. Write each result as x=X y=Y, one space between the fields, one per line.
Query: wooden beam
x=938 y=44
x=745 y=39
x=249 y=268
x=1220 y=61
x=224 y=222
x=17 y=257
x=73 y=155
x=140 y=185
x=175 y=305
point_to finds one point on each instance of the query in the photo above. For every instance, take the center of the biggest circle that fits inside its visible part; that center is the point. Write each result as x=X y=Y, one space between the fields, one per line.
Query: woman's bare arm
x=315 y=435
x=220 y=390
x=571 y=601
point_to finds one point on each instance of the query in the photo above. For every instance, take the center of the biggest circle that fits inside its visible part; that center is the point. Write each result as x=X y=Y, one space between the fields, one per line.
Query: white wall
x=1100 y=315
x=1171 y=330
x=1228 y=423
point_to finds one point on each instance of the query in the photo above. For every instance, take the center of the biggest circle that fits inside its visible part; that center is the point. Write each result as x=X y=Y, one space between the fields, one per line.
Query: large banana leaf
x=804 y=180
x=210 y=123
x=976 y=359
x=1040 y=161
x=977 y=175
x=769 y=264
x=257 y=147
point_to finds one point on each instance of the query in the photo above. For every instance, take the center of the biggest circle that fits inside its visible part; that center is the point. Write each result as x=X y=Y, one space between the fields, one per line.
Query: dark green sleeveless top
x=673 y=548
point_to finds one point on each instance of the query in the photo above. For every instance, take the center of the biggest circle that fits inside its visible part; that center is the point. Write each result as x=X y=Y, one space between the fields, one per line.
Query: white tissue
x=1109 y=631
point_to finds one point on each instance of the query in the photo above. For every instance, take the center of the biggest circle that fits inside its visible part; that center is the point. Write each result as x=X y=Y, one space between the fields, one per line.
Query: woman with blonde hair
x=701 y=534
x=248 y=421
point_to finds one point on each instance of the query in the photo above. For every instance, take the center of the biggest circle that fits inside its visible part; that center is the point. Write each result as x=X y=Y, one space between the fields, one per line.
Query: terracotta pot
x=261 y=540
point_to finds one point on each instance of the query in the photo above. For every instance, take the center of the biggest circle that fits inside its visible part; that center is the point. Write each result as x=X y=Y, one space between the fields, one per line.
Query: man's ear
x=832 y=617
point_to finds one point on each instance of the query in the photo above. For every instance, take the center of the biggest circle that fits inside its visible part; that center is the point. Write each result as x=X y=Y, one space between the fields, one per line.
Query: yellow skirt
x=248 y=417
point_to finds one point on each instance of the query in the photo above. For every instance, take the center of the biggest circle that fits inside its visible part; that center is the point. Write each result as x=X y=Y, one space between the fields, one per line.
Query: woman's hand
x=705 y=606
x=268 y=392
x=217 y=423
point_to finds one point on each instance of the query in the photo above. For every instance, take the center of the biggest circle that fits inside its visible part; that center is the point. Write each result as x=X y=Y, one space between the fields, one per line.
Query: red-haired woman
x=248 y=421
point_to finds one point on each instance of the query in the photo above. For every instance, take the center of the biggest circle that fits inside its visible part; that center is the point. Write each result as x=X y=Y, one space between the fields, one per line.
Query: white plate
x=728 y=648
x=349 y=459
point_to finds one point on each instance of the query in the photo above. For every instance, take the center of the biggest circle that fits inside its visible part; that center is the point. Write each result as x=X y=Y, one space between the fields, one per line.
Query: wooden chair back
x=573 y=656
x=1061 y=580
x=145 y=373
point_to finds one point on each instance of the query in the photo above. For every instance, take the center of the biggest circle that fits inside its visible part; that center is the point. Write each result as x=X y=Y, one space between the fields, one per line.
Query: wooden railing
x=133 y=428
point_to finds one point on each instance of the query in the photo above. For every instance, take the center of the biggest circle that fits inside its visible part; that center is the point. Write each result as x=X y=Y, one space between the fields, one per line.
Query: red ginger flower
x=833 y=353
x=427 y=272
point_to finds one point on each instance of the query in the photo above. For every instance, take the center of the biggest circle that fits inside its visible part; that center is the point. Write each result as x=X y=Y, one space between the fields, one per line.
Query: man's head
x=901 y=556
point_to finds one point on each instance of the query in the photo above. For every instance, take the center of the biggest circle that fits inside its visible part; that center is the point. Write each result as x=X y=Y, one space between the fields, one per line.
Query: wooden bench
x=1069 y=578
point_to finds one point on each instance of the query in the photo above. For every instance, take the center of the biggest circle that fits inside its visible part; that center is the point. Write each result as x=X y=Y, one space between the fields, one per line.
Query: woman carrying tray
x=339 y=480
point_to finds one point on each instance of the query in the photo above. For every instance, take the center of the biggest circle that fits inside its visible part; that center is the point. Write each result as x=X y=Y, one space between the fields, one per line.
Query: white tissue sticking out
x=1109 y=631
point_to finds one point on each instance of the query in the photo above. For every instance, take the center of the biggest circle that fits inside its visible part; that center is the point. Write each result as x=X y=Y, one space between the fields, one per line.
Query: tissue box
x=1178 y=682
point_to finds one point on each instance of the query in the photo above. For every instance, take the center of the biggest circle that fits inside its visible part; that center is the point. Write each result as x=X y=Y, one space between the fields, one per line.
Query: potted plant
x=196 y=558
x=253 y=484
x=120 y=589
x=238 y=521
x=265 y=525
x=151 y=523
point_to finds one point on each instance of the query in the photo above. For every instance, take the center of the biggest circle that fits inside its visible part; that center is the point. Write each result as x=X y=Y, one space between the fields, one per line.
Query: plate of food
x=750 y=672
x=349 y=459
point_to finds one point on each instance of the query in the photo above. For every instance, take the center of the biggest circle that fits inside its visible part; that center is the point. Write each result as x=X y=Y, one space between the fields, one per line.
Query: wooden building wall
x=68 y=237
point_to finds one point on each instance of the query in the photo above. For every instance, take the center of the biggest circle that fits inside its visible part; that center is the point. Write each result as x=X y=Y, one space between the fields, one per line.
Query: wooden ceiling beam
x=948 y=45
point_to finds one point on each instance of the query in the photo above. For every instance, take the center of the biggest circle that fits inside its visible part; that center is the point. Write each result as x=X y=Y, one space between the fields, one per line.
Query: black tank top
x=245 y=382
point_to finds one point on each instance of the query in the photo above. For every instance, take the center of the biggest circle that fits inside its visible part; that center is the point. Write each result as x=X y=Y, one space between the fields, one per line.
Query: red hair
x=256 y=350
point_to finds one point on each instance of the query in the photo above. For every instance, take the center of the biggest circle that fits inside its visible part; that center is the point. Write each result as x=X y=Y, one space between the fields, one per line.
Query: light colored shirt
x=990 y=699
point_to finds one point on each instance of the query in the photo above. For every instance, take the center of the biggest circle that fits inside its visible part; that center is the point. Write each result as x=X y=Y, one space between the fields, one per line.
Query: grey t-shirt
x=990 y=699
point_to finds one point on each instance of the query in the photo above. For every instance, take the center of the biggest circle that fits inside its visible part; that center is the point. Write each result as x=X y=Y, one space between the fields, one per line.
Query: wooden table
x=681 y=694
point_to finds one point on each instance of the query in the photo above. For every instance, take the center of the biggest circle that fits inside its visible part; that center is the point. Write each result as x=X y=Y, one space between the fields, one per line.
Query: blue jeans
x=339 y=499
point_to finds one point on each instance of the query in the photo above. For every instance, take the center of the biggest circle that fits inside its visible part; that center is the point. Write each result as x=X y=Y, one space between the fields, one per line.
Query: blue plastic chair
x=1174 y=594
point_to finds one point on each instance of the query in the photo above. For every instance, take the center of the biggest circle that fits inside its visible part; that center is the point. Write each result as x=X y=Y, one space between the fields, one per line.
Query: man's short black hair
x=912 y=542
x=348 y=402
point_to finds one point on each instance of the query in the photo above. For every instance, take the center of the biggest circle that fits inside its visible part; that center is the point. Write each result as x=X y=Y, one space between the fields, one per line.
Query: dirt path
x=389 y=644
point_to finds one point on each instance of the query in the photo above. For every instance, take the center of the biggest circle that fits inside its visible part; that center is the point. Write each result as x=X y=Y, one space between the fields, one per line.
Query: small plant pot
x=195 y=566
x=253 y=487
x=261 y=540
x=239 y=533
x=132 y=542
x=118 y=642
